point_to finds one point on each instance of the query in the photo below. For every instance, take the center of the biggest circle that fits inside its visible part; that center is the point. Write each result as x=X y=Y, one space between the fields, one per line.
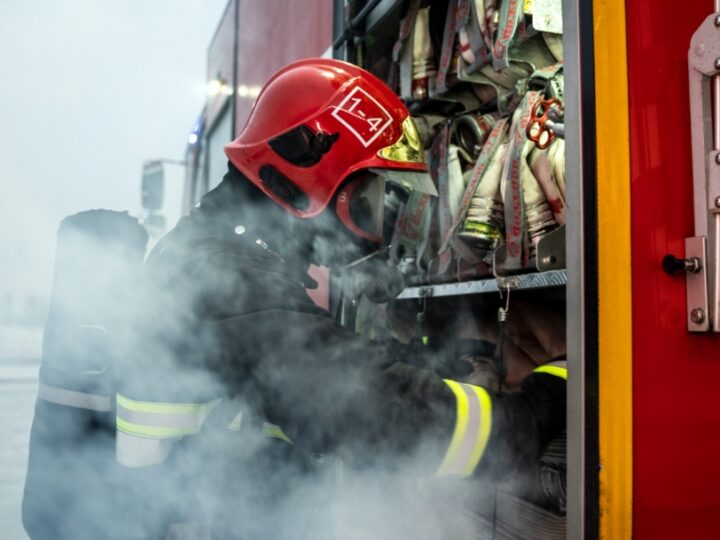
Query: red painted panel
x=676 y=386
x=274 y=33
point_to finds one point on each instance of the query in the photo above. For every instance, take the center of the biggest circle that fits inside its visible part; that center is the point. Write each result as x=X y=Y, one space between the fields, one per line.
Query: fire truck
x=635 y=253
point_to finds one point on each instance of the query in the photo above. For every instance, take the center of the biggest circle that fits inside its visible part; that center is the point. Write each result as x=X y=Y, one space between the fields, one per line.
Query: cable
x=501 y=370
x=500 y=364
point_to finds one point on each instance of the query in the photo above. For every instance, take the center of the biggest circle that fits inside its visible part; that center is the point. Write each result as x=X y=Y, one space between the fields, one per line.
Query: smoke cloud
x=222 y=320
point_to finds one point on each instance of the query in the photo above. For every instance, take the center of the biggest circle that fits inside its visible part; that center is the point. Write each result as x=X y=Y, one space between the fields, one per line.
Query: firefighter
x=237 y=382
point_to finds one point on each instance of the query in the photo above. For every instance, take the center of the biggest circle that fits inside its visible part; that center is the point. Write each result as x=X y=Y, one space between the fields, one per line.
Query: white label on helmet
x=362 y=115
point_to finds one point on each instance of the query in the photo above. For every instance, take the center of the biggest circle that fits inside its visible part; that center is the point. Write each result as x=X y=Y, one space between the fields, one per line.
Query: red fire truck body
x=249 y=45
x=675 y=409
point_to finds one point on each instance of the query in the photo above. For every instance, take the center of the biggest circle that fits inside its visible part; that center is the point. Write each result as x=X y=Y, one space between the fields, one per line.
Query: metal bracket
x=698 y=319
x=499 y=269
x=551 y=250
x=703 y=287
x=550 y=255
x=425 y=292
x=509 y=282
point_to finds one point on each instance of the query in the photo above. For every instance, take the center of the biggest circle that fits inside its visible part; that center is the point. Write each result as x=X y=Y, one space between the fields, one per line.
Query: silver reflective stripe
x=133 y=452
x=70 y=398
x=473 y=424
x=200 y=530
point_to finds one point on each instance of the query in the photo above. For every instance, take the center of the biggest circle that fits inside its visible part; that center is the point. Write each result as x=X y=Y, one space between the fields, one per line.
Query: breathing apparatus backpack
x=71 y=472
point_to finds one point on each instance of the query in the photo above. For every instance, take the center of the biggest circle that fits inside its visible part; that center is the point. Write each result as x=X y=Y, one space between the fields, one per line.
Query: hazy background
x=88 y=91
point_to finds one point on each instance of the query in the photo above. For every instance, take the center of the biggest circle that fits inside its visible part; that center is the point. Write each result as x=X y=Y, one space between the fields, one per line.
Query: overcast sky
x=89 y=89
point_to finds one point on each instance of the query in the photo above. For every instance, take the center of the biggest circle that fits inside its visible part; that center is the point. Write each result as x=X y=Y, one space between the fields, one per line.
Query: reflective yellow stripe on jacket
x=269 y=430
x=473 y=424
x=161 y=420
x=146 y=430
x=275 y=432
x=552 y=369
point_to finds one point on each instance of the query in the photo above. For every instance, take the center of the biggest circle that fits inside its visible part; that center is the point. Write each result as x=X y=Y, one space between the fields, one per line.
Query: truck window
x=215 y=160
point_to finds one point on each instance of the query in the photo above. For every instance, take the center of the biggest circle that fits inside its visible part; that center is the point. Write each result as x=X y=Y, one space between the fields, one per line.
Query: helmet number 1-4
x=360 y=113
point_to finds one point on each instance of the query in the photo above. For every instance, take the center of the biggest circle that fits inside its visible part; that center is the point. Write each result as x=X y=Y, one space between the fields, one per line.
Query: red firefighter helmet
x=315 y=123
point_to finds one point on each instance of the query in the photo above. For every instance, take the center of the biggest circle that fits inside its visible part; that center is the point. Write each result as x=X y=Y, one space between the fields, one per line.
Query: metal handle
x=703 y=287
x=671 y=264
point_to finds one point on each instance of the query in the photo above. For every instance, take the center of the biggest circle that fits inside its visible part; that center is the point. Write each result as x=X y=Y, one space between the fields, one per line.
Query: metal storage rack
x=553 y=272
x=539 y=280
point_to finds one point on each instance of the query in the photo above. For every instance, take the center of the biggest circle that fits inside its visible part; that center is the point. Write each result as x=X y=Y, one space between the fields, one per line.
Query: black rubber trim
x=590 y=235
x=283 y=187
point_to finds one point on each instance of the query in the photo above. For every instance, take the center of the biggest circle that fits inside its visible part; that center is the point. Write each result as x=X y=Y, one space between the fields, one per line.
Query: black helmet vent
x=303 y=147
x=283 y=187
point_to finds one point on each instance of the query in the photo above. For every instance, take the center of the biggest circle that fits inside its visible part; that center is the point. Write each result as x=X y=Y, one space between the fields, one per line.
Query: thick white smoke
x=116 y=64
x=90 y=90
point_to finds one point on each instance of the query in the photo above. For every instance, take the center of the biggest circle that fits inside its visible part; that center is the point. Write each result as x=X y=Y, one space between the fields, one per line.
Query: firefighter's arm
x=329 y=389
x=478 y=431
x=506 y=431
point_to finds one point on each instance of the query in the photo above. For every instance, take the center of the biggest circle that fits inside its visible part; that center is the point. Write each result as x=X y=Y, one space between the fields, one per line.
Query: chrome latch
x=672 y=264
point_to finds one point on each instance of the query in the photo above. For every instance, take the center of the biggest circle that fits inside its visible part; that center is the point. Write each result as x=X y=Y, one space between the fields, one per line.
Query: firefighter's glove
x=451 y=358
x=375 y=279
x=447 y=358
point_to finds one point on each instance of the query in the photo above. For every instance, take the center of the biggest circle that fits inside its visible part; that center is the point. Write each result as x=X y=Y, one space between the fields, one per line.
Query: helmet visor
x=360 y=205
x=409 y=180
x=365 y=207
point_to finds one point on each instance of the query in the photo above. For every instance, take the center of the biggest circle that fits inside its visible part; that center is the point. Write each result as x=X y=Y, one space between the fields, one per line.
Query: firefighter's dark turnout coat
x=237 y=382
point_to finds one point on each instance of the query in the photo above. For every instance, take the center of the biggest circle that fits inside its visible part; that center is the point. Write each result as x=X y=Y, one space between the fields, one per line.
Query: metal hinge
x=703 y=249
